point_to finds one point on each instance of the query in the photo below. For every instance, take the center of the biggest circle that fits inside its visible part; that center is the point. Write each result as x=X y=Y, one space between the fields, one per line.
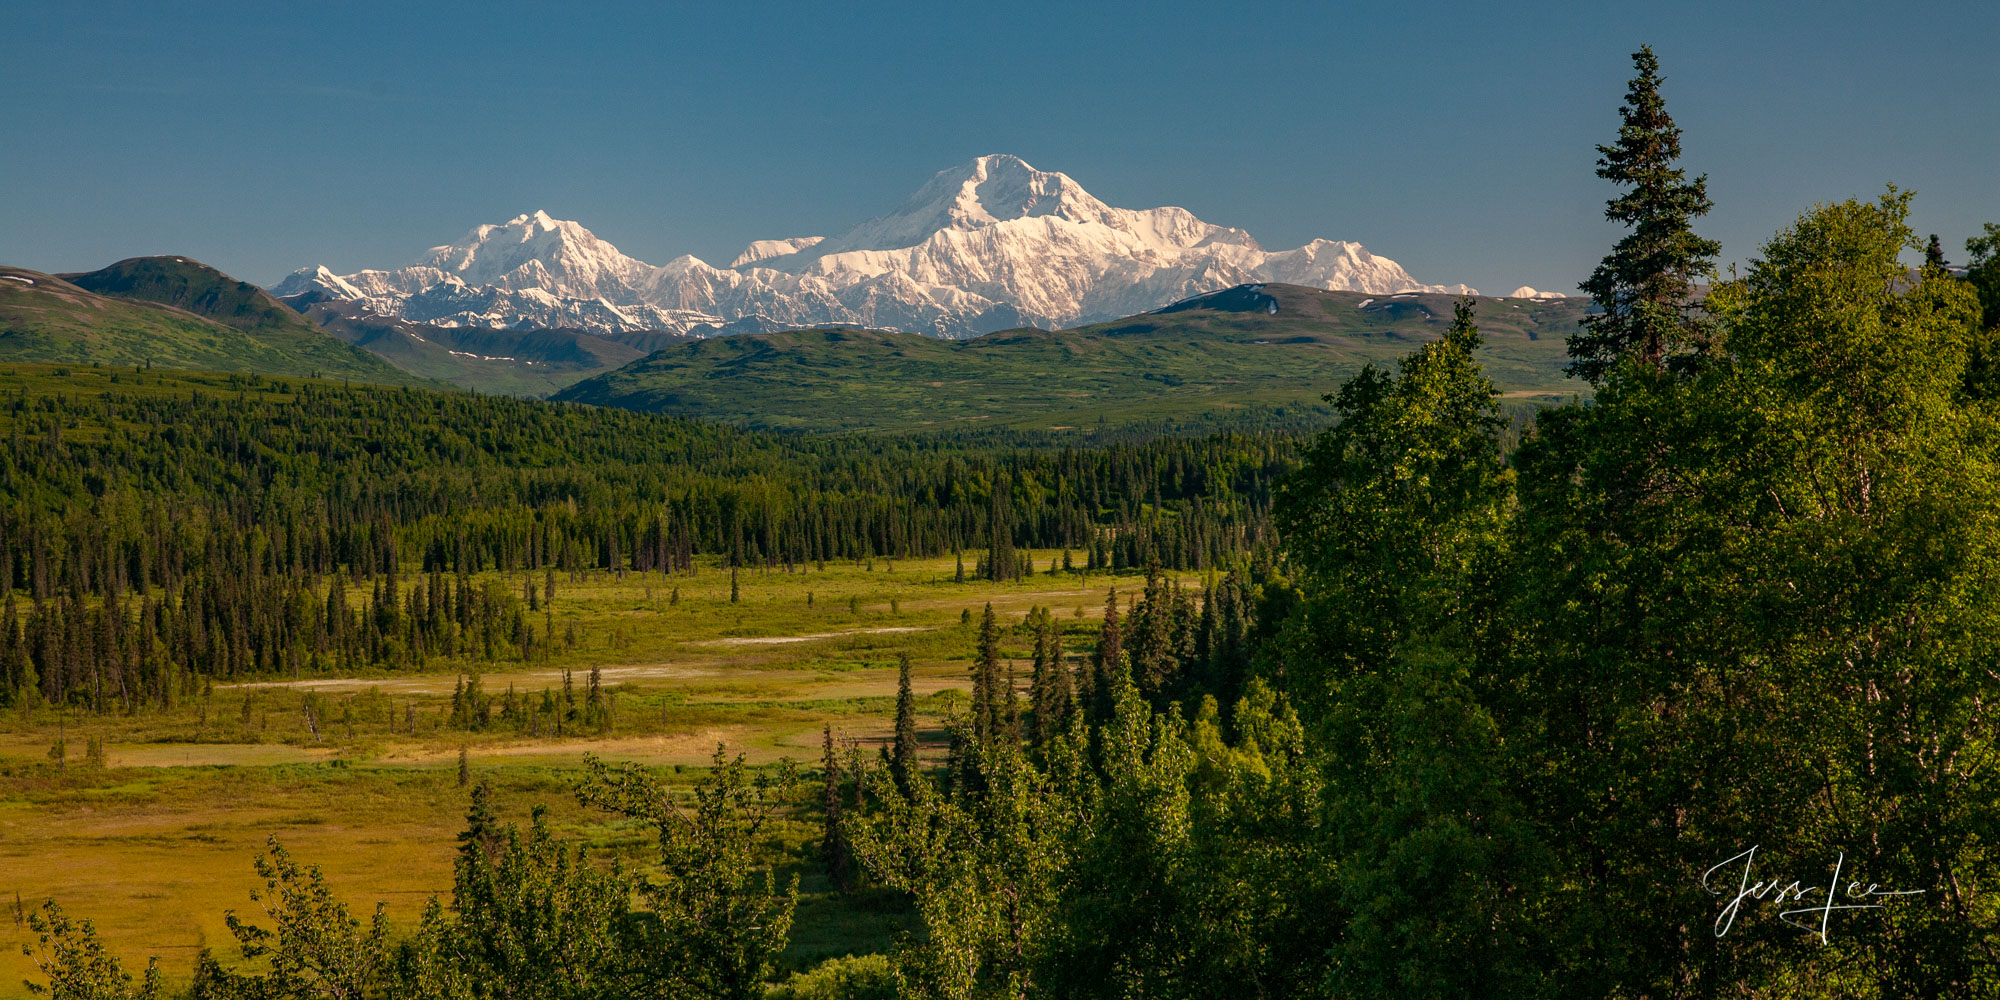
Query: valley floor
x=155 y=842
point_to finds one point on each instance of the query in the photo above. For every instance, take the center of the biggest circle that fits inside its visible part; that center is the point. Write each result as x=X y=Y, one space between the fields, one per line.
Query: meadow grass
x=155 y=844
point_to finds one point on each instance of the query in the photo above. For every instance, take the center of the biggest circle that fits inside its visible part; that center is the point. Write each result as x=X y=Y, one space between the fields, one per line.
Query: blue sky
x=1456 y=138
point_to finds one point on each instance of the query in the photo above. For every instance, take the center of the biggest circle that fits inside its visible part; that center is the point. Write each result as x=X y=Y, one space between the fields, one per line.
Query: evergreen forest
x=1684 y=688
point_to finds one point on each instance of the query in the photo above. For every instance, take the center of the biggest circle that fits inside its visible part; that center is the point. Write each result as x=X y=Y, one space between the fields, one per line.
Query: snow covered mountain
x=989 y=245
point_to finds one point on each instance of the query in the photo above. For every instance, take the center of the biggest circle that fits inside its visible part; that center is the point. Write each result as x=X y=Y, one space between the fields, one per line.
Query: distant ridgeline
x=1250 y=358
x=158 y=528
x=171 y=312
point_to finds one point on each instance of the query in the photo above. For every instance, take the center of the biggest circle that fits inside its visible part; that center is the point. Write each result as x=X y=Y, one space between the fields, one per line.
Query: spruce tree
x=1000 y=554
x=482 y=835
x=903 y=759
x=1049 y=687
x=1108 y=662
x=1155 y=668
x=832 y=842
x=987 y=707
x=1645 y=286
x=1062 y=695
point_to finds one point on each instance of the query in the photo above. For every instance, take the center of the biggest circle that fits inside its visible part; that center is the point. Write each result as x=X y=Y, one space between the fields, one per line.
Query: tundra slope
x=1246 y=358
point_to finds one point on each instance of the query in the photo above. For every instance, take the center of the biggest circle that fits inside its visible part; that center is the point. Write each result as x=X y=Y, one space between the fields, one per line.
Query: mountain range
x=993 y=244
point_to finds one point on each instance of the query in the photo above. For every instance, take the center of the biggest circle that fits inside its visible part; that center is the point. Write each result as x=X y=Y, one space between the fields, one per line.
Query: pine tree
x=903 y=759
x=1108 y=663
x=1155 y=668
x=832 y=842
x=464 y=767
x=1646 y=284
x=987 y=708
x=1049 y=688
x=482 y=835
x=1934 y=254
x=1001 y=554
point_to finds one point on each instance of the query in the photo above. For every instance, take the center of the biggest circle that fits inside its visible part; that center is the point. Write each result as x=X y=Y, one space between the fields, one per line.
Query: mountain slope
x=988 y=245
x=1249 y=356
x=510 y=362
x=175 y=313
x=47 y=318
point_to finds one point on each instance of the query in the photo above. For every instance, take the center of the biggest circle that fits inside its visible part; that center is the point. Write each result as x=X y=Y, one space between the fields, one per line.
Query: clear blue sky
x=1454 y=137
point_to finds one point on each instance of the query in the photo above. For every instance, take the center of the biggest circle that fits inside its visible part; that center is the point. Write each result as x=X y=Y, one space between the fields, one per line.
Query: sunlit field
x=149 y=822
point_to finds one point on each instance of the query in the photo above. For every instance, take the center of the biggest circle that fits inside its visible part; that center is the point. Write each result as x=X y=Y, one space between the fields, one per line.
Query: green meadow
x=152 y=835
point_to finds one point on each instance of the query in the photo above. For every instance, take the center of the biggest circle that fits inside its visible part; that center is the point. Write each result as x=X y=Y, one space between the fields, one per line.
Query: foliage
x=1393 y=510
x=714 y=927
x=76 y=963
x=1645 y=286
x=864 y=977
x=315 y=948
x=169 y=529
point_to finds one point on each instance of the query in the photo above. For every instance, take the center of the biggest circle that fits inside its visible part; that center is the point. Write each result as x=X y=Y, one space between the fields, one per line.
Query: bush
x=864 y=977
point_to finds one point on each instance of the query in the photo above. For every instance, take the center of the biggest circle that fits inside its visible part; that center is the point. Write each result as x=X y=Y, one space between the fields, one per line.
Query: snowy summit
x=988 y=245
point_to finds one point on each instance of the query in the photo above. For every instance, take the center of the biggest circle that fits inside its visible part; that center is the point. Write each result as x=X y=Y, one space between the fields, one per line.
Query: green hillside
x=1252 y=356
x=172 y=313
x=508 y=362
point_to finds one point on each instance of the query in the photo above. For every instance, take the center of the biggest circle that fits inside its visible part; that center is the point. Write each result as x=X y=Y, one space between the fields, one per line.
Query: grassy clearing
x=155 y=845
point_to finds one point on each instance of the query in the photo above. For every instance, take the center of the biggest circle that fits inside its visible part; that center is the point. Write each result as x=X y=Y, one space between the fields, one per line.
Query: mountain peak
x=536 y=220
x=994 y=188
x=991 y=242
x=534 y=250
x=999 y=187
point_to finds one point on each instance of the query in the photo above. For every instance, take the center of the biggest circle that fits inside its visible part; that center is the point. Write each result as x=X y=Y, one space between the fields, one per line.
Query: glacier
x=989 y=245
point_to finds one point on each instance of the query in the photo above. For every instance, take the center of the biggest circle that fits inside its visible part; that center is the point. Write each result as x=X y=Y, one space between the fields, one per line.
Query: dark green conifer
x=1108 y=663
x=987 y=707
x=903 y=757
x=1646 y=285
x=832 y=842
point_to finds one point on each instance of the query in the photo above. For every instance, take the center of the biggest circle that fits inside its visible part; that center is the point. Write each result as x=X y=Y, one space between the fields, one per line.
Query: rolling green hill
x=509 y=362
x=1251 y=356
x=172 y=313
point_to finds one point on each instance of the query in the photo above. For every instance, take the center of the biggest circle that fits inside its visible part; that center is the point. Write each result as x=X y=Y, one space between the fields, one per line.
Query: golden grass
x=156 y=846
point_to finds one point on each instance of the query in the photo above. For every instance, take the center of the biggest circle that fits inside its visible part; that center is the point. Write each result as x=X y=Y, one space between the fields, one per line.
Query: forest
x=1687 y=689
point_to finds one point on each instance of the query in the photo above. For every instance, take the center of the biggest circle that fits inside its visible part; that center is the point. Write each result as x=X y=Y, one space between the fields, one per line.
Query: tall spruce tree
x=988 y=708
x=1108 y=663
x=832 y=841
x=1049 y=688
x=903 y=755
x=1646 y=284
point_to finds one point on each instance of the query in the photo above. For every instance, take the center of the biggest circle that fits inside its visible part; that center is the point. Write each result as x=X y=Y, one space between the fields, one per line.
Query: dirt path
x=778 y=640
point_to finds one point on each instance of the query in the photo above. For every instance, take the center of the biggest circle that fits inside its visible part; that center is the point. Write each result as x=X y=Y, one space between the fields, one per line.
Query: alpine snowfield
x=990 y=245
